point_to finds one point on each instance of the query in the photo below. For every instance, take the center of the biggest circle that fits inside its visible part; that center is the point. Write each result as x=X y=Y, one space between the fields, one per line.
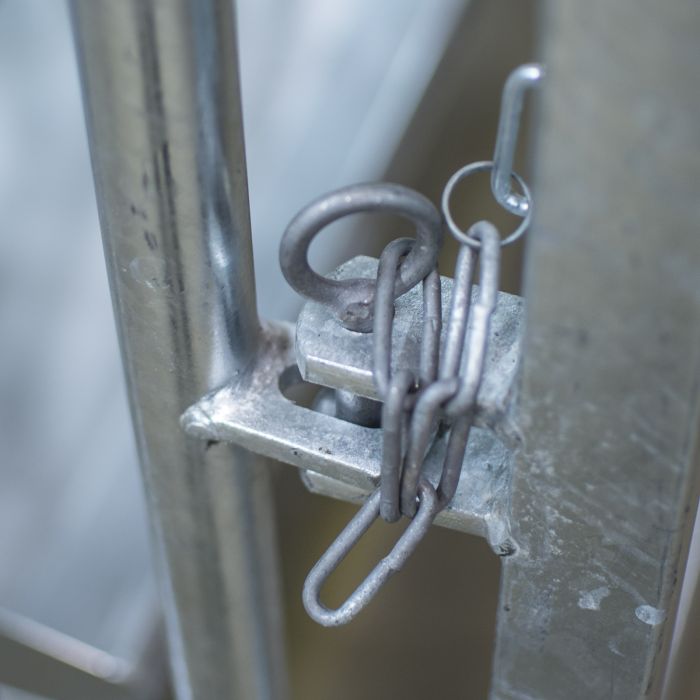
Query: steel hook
x=521 y=80
x=352 y=300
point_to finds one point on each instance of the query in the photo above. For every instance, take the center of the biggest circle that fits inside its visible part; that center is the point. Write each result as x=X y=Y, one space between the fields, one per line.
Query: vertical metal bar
x=683 y=678
x=38 y=659
x=162 y=98
x=605 y=486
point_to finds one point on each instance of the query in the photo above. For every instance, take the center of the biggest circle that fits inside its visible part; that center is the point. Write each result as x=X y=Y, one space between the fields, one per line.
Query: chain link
x=440 y=395
x=399 y=392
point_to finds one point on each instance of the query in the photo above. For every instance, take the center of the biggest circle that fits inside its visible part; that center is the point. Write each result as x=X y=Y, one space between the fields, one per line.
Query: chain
x=398 y=392
x=440 y=395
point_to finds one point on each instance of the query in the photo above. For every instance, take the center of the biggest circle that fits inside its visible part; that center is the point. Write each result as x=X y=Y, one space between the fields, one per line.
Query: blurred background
x=333 y=93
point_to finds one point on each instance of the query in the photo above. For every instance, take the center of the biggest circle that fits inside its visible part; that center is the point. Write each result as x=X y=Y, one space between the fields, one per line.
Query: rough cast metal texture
x=604 y=488
x=254 y=412
x=333 y=356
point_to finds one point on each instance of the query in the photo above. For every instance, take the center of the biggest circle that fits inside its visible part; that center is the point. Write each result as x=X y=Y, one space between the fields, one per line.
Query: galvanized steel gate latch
x=413 y=414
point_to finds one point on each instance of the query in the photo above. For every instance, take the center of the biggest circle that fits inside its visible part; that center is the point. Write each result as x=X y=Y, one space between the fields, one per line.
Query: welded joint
x=342 y=459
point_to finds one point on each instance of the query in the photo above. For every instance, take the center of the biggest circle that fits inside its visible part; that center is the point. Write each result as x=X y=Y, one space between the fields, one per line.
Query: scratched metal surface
x=605 y=486
x=256 y=414
x=333 y=356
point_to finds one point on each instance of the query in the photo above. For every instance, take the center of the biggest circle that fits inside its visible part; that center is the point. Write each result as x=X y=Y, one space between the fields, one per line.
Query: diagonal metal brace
x=343 y=459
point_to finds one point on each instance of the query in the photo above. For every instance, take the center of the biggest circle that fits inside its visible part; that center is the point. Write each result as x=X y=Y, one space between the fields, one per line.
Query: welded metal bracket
x=342 y=459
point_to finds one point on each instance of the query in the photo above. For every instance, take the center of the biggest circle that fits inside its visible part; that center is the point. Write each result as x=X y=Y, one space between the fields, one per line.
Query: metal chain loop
x=387 y=566
x=397 y=392
x=452 y=395
x=443 y=390
x=408 y=492
x=394 y=423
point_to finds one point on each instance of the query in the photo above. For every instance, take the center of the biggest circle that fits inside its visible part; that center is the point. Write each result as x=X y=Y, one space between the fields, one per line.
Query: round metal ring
x=461 y=174
x=352 y=299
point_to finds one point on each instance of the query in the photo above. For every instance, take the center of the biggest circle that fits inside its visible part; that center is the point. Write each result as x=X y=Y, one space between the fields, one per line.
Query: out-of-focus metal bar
x=40 y=660
x=605 y=485
x=162 y=97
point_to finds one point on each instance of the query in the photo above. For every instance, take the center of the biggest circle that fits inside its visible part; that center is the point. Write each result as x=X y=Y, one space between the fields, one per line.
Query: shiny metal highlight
x=522 y=79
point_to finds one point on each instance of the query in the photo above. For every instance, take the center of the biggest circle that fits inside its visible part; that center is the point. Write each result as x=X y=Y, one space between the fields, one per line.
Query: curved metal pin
x=521 y=80
x=390 y=564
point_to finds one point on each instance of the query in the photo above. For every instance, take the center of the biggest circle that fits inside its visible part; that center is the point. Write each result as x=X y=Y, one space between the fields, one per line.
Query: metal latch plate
x=344 y=459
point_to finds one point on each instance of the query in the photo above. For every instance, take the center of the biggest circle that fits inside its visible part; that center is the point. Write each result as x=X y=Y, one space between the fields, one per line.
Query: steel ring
x=352 y=299
x=461 y=174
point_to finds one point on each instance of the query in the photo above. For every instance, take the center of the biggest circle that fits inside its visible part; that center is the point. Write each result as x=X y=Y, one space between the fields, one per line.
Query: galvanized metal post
x=605 y=486
x=161 y=91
